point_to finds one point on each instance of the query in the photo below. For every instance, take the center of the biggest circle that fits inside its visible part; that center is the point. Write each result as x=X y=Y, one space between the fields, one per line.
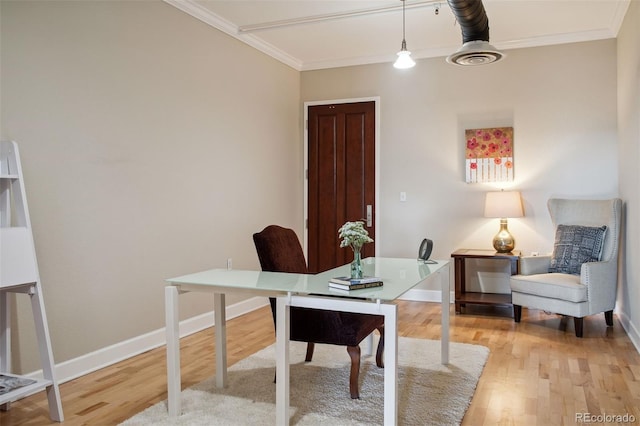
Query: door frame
x=376 y=100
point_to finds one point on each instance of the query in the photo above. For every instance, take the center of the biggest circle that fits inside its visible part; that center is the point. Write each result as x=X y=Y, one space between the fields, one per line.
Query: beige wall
x=563 y=102
x=629 y=134
x=147 y=154
x=564 y=119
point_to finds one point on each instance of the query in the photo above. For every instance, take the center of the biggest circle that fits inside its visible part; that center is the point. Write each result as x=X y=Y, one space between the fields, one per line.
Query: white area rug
x=429 y=393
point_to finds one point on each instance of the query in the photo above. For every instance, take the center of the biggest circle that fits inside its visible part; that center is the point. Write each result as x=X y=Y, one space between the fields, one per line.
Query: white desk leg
x=173 y=350
x=445 y=279
x=283 y=310
x=221 y=340
x=368 y=345
x=390 y=364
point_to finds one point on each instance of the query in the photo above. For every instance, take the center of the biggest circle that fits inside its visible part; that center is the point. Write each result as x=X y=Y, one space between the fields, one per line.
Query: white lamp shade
x=503 y=204
x=404 y=60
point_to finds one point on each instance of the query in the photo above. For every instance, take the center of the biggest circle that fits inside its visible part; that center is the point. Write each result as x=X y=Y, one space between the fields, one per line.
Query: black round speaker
x=425 y=249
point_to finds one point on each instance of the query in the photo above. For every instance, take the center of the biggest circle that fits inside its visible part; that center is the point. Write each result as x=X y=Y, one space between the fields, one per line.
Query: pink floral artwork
x=489 y=155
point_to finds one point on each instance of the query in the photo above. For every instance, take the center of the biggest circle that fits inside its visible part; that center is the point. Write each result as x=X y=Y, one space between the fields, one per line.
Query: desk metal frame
x=284 y=302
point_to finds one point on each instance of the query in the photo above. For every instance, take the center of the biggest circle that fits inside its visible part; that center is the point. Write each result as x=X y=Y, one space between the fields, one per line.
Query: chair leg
x=354 y=353
x=517 y=313
x=380 y=351
x=310 y=347
x=578 y=323
x=608 y=317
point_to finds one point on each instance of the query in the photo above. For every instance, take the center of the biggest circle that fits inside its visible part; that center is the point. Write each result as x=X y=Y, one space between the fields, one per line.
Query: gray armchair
x=580 y=278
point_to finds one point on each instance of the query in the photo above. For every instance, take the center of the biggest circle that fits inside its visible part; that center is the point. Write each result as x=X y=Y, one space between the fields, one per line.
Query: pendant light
x=404 y=56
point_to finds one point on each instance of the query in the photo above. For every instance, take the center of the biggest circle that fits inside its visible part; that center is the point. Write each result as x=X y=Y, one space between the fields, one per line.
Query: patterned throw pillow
x=576 y=245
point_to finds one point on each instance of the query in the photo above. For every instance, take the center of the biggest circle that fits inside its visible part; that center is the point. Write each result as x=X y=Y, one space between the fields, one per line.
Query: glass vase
x=356 y=265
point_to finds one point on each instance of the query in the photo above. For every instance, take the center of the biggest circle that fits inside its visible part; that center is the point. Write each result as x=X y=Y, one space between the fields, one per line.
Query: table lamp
x=503 y=204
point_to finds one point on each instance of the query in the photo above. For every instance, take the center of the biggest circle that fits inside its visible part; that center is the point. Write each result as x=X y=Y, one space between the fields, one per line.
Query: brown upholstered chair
x=279 y=250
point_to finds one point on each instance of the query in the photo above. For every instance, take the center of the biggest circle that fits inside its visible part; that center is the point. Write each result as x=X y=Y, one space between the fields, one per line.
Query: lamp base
x=504 y=242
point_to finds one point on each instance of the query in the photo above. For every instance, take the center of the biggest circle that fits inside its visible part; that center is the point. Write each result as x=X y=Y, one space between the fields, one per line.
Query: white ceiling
x=316 y=34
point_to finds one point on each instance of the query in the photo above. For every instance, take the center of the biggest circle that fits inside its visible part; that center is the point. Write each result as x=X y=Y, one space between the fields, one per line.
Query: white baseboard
x=110 y=355
x=85 y=364
x=630 y=328
x=420 y=295
x=88 y=363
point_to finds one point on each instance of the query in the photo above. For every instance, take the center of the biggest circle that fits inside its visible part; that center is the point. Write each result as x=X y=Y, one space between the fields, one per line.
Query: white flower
x=354 y=235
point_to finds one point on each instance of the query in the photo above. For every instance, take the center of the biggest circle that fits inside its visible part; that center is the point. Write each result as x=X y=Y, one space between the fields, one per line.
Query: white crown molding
x=445 y=51
x=194 y=9
x=338 y=15
x=191 y=7
x=618 y=17
x=576 y=37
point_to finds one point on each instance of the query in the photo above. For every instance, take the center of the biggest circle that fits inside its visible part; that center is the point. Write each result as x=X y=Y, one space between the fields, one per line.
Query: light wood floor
x=536 y=374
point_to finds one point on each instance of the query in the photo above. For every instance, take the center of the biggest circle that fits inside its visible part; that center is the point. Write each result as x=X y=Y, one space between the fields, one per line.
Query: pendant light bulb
x=404 y=60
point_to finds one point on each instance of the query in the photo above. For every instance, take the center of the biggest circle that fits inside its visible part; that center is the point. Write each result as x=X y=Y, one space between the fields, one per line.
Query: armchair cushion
x=575 y=245
x=553 y=286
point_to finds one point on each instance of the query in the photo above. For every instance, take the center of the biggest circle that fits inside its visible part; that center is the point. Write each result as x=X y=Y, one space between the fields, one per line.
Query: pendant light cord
x=404 y=56
x=403 y=24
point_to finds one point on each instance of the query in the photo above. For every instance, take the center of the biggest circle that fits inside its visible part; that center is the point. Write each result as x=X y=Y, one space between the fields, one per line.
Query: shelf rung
x=24 y=391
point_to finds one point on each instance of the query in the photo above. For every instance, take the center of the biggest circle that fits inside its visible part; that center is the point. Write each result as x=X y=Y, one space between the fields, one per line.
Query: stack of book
x=347 y=283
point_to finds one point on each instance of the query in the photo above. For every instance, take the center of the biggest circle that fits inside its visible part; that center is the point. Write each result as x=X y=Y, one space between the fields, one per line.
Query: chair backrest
x=591 y=213
x=279 y=250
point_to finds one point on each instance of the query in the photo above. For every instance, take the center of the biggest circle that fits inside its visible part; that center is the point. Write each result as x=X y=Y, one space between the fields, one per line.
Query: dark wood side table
x=462 y=296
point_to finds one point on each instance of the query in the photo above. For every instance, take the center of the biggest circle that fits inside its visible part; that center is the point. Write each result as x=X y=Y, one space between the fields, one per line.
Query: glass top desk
x=311 y=291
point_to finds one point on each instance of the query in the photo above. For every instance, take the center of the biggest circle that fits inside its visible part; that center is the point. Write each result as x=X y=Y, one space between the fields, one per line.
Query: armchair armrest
x=531 y=265
x=596 y=271
x=601 y=279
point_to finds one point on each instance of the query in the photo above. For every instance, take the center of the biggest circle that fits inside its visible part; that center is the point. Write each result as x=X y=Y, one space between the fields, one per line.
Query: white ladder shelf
x=19 y=274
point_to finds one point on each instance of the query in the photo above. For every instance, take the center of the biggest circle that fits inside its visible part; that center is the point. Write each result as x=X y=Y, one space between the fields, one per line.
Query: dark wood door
x=341 y=179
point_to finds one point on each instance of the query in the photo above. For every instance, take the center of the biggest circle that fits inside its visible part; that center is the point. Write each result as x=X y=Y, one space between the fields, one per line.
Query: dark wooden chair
x=279 y=250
